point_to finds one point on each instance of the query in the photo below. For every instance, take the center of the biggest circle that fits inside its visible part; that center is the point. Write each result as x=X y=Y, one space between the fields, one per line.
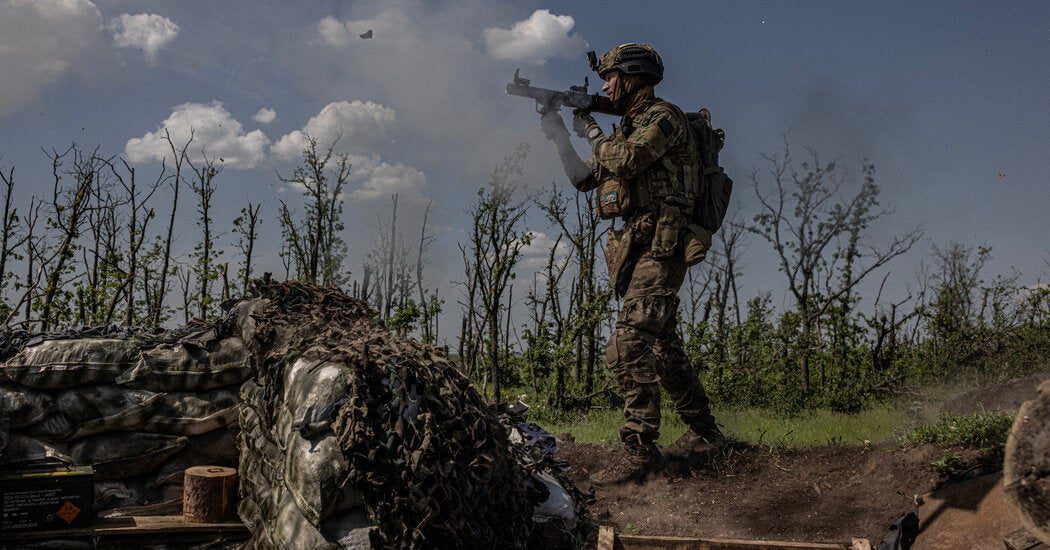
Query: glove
x=584 y=125
x=553 y=126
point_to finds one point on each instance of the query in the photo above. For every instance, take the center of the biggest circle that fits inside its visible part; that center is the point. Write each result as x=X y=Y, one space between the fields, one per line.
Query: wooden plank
x=606 y=537
x=654 y=542
x=860 y=544
x=1021 y=539
x=142 y=525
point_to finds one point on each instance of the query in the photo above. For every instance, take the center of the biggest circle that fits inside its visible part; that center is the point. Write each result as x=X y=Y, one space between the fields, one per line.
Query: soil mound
x=1005 y=396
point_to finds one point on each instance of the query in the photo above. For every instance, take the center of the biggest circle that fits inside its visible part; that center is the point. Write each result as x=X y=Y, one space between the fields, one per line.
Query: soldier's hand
x=553 y=126
x=584 y=124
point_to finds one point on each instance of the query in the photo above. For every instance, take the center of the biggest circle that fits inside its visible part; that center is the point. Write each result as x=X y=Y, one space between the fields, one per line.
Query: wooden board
x=1022 y=540
x=608 y=539
x=132 y=526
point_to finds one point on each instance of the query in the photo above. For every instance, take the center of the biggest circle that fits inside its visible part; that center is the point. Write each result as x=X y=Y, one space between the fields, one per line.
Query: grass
x=980 y=430
x=812 y=428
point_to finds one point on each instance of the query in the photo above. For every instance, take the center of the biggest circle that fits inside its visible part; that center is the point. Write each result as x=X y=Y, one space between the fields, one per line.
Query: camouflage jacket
x=653 y=151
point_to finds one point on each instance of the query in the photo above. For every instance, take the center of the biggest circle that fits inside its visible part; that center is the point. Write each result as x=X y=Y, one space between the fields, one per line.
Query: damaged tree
x=804 y=219
x=315 y=247
x=492 y=254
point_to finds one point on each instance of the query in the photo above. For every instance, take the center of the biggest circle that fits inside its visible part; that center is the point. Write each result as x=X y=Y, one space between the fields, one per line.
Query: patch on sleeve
x=665 y=126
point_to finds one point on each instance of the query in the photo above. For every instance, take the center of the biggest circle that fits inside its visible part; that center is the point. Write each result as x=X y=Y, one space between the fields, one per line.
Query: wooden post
x=208 y=493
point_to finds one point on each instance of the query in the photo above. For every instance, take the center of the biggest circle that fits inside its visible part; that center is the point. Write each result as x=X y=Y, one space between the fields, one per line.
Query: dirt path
x=823 y=494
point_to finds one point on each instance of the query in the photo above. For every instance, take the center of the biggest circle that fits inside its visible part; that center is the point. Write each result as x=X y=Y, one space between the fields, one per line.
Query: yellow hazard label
x=68 y=512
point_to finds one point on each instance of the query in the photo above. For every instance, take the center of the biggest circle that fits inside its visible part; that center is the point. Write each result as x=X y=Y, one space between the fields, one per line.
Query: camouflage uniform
x=653 y=151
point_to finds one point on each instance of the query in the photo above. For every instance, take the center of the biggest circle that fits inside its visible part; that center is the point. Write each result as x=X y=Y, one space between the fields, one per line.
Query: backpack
x=712 y=198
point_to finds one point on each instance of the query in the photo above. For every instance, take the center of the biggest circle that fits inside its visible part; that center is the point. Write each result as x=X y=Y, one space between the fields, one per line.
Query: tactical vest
x=673 y=178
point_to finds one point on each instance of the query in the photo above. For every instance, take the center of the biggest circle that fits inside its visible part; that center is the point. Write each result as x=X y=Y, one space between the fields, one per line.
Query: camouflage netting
x=139 y=406
x=344 y=435
x=425 y=453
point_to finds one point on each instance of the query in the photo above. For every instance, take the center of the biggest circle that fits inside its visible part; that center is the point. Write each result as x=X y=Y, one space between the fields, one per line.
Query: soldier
x=646 y=173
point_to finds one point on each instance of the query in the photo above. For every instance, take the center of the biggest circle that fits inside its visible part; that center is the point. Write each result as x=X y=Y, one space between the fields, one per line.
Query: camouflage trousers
x=645 y=352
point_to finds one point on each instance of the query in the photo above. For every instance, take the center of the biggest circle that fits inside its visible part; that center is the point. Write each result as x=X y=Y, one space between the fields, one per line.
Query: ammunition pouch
x=696 y=241
x=713 y=202
x=614 y=199
x=668 y=229
x=617 y=253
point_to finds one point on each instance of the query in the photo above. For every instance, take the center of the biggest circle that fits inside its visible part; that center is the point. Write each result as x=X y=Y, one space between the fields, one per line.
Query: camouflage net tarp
x=430 y=457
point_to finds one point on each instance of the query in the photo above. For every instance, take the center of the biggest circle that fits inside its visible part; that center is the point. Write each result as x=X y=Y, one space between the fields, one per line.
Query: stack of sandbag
x=139 y=407
x=352 y=437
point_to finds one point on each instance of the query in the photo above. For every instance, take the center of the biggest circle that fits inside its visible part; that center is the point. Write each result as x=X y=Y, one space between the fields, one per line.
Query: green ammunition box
x=47 y=498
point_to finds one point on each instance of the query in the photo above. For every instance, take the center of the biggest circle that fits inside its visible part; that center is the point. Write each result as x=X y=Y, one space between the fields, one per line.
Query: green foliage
x=949 y=463
x=405 y=317
x=985 y=430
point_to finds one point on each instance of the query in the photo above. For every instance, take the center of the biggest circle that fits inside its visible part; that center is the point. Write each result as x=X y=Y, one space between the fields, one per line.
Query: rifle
x=552 y=100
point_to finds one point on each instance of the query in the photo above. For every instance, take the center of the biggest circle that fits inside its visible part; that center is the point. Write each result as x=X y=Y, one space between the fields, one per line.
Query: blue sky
x=950 y=100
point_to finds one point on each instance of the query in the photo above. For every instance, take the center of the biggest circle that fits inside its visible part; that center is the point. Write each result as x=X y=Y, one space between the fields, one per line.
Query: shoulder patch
x=665 y=126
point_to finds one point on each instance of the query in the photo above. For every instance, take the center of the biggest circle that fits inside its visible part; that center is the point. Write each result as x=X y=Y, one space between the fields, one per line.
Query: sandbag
x=558 y=506
x=242 y=316
x=113 y=494
x=56 y=364
x=315 y=476
x=215 y=448
x=313 y=392
x=189 y=367
x=185 y=413
x=314 y=467
x=23 y=450
x=127 y=454
x=82 y=412
x=21 y=408
x=292 y=530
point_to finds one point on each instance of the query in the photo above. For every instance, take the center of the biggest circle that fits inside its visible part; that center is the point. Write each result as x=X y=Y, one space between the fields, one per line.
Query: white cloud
x=213 y=129
x=535 y=40
x=43 y=40
x=333 y=32
x=382 y=180
x=265 y=116
x=358 y=126
x=148 y=32
x=534 y=255
x=424 y=63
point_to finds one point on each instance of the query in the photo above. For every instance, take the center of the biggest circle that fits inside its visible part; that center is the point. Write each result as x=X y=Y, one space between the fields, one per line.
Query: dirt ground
x=824 y=494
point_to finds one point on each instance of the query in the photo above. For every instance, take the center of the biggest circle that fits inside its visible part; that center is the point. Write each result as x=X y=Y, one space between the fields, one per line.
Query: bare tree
x=314 y=243
x=205 y=252
x=139 y=216
x=430 y=305
x=10 y=236
x=179 y=158
x=579 y=225
x=68 y=206
x=803 y=218
x=391 y=252
x=246 y=225
x=495 y=244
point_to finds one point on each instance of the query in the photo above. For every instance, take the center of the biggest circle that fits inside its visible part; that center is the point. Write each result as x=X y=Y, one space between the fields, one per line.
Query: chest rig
x=674 y=178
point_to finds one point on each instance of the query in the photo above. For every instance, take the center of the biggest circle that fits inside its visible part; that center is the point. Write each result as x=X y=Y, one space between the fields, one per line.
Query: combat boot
x=697 y=442
x=637 y=461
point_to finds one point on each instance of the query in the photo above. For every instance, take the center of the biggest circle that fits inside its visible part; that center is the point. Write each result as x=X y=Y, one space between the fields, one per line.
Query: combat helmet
x=631 y=58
